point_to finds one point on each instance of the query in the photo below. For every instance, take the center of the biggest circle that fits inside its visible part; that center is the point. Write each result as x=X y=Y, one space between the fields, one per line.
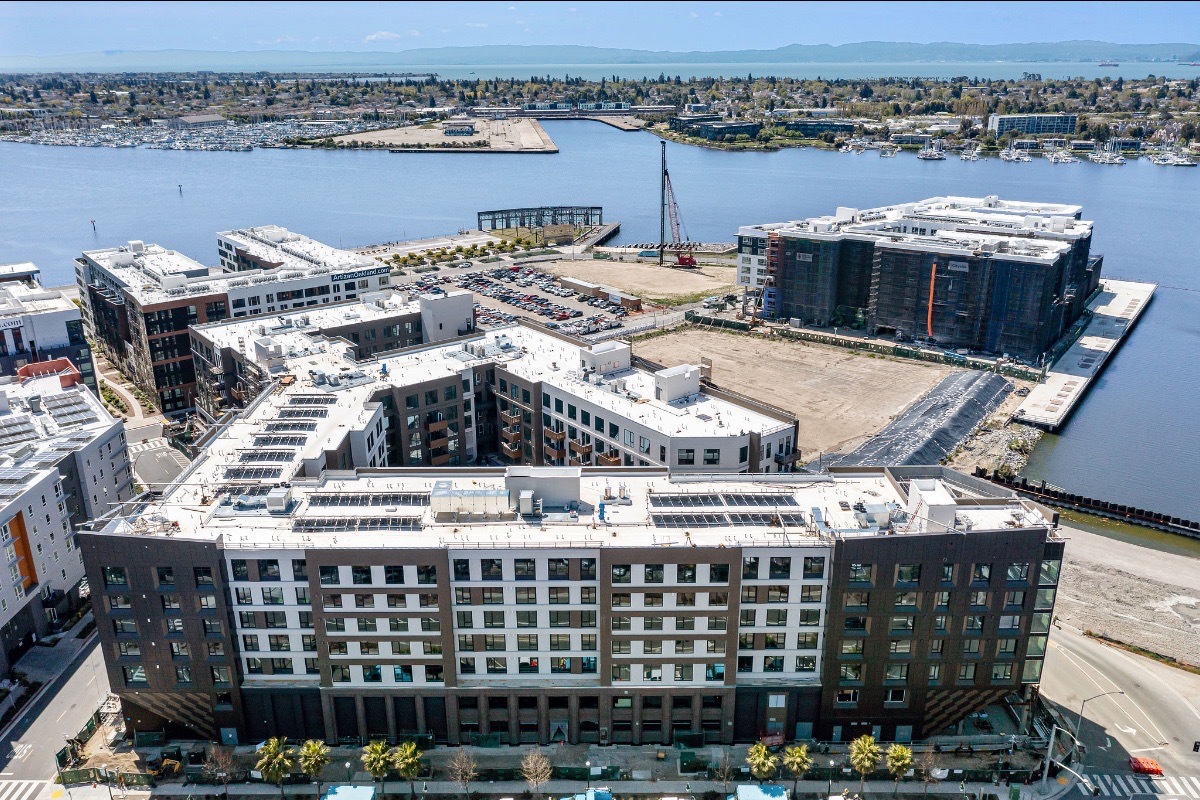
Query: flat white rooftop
x=1115 y=310
x=18 y=299
x=479 y=509
x=293 y=250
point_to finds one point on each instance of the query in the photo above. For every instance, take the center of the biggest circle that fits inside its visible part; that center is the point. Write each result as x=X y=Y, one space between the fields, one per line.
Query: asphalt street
x=1156 y=717
x=27 y=749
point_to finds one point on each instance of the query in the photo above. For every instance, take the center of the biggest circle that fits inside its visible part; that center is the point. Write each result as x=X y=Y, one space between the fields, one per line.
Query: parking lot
x=525 y=291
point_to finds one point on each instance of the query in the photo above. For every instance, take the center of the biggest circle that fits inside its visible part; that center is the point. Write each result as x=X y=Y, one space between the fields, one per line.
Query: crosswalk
x=1175 y=786
x=23 y=790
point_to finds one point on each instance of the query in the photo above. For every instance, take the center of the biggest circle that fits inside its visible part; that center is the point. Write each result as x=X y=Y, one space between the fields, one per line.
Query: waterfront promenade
x=1114 y=313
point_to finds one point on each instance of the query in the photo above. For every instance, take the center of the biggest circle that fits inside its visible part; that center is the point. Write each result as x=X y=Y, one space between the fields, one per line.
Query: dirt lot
x=649 y=281
x=502 y=136
x=840 y=398
x=997 y=444
x=1135 y=594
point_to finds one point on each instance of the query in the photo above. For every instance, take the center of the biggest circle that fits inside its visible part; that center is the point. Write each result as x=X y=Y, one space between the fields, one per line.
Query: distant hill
x=568 y=55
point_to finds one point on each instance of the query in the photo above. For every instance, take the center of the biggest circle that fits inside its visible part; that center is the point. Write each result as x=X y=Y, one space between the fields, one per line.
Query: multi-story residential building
x=543 y=604
x=139 y=299
x=520 y=394
x=991 y=275
x=39 y=324
x=63 y=462
x=1033 y=124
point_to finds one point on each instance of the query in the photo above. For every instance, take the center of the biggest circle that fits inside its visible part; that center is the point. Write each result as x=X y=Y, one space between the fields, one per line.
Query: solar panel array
x=255 y=456
x=328 y=499
x=312 y=400
x=70 y=409
x=252 y=473
x=273 y=427
x=16 y=430
x=302 y=413
x=729 y=500
x=726 y=509
x=280 y=441
x=356 y=524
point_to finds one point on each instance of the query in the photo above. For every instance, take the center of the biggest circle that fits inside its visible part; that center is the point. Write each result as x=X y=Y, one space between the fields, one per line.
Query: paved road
x=1157 y=717
x=1125 y=785
x=27 y=751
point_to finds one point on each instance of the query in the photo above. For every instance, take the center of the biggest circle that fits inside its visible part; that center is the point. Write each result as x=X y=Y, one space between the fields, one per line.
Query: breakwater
x=1059 y=498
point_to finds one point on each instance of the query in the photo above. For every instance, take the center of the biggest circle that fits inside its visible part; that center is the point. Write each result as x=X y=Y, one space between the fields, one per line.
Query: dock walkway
x=1115 y=310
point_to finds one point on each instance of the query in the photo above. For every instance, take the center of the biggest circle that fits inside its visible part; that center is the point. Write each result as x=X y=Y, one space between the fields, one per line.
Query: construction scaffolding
x=540 y=217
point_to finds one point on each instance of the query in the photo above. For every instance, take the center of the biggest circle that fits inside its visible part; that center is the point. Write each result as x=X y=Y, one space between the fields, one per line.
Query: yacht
x=932 y=152
x=888 y=151
x=969 y=155
x=1010 y=154
x=1061 y=156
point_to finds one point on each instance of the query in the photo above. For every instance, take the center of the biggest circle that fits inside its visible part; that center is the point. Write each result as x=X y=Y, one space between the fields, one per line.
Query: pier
x=1114 y=312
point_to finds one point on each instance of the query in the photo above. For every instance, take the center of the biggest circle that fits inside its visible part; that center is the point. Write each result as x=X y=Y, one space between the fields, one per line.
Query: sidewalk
x=559 y=789
x=47 y=663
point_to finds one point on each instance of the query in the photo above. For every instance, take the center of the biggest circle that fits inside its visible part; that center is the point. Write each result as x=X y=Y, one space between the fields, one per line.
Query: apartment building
x=39 y=324
x=1033 y=124
x=985 y=274
x=63 y=462
x=544 y=604
x=520 y=394
x=139 y=299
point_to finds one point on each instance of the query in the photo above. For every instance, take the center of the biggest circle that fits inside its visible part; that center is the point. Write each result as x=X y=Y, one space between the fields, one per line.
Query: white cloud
x=475 y=24
x=279 y=40
x=716 y=13
x=693 y=15
x=390 y=36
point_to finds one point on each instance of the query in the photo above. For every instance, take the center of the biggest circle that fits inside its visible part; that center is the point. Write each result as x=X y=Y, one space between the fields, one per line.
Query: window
x=621 y=623
x=850 y=672
x=1049 y=573
x=128 y=649
x=621 y=647
x=587 y=595
x=714 y=672
x=335 y=625
x=1010 y=622
x=134 y=675
x=1014 y=599
x=896 y=672
x=393 y=575
x=684 y=573
x=493 y=597
x=776 y=616
x=170 y=601
x=203 y=575
x=653 y=573
x=855 y=624
x=981 y=573
x=776 y=594
x=302 y=598
x=340 y=673
x=493 y=619
x=970 y=647
x=810 y=593
x=654 y=599
x=861 y=573
x=329 y=576
x=685 y=623
x=906 y=599
x=750 y=568
x=974 y=622
x=652 y=623
x=941 y=600
x=935 y=673
x=430 y=624
x=807 y=641
x=243 y=596
x=1044 y=599
x=856 y=599
x=239 y=570
x=900 y=647
x=966 y=672
x=908 y=573
x=497 y=666
x=780 y=567
x=852 y=647
x=427 y=574
x=1018 y=572
x=712 y=457
x=621 y=573
x=1001 y=673
x=685 y=599
x=718 y=573
x=299 y=569
x=279 y=642
x=894 y=695
x=526 y=595
x=268 y=569
x=587 y=569
x=527 y=619
x=402 y=673
x=814 y=567
x=220 y=674
x=560 y=665
x=557 y=569
x=272 y=595
x=683 y=672
x=902 y=623
x=979 y=598
x=524 y=569
x=1006 y=647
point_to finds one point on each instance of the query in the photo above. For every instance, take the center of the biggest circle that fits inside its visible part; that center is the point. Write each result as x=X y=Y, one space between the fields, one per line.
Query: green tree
x=762 y=762
x=377 y=760
x=899 y=762
x=406 y=760
x=797 y=762
x=275 y=761
x=313 y=759
x=865 y=755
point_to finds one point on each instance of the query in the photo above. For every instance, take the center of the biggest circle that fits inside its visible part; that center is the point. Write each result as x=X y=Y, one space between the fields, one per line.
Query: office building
x=63 y=462
x=39 y=324
x=548 y=604
x=450 y=396
x=138 y=299
x=990 y=275
x=1033 y=124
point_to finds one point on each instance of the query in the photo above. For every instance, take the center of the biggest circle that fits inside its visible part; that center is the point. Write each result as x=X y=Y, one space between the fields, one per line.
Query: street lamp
x=104 y=772
x=829 y=793
x=1079 y=722
x=349 y=774
x=587 y=765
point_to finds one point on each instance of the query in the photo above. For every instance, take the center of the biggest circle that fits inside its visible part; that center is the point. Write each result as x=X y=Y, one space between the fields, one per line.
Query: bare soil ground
x=1137 y=595
x=839 y=397
x=502 y=136
x=649 y=281
x=996 y=444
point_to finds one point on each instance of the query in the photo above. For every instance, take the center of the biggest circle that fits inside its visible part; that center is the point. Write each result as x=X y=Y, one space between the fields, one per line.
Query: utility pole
x=662 y=206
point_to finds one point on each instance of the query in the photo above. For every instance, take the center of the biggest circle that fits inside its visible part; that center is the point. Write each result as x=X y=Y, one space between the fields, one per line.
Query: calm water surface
x=1135 y=439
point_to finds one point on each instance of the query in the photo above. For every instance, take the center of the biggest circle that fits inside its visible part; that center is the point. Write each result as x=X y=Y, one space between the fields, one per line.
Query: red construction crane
x=679 y=244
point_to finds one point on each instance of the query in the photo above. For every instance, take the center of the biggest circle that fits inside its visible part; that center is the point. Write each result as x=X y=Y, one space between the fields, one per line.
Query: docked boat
x=1061 y=156
x=888 y=151
x=1013 y=155
x=932 y=152
x=969 y=155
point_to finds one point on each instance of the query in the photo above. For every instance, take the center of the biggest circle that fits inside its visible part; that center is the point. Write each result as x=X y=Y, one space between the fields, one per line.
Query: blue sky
x=65 y=27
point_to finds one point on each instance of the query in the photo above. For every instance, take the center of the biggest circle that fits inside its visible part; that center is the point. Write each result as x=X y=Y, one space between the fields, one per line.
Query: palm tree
x=275 y=761
x=899 y=761
x=406 y=760
x=762 y=762
x=314 y=758
x=797 y=762
x=377 y=760
x=865 y=756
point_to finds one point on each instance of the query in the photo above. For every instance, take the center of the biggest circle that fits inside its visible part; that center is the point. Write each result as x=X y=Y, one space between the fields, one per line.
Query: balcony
x=439 y=459
x=511 y=434
x=551 y=435
x=511 y=450
x=580 y=449
x=511 y=417
x=554 y=452
x=438 y=425
x=610 y=459
x=439 y=435
x=579 y=462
